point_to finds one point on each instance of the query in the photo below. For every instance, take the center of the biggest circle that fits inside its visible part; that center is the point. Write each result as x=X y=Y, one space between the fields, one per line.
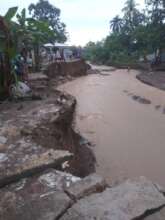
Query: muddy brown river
x=129 y=135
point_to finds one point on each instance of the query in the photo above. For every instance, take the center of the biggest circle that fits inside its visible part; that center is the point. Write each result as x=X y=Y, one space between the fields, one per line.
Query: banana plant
x=27 y=31
x=40 y=32
x=7 y=50
x=32 y=33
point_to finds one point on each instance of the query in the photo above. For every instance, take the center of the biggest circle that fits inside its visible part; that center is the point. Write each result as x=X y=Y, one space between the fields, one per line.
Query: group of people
x=23 y=64
x=20 y=66
x=60 y=54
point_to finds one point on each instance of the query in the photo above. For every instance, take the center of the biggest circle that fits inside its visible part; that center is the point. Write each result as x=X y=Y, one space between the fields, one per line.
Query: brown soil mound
x=156 y=79
x=73 y=68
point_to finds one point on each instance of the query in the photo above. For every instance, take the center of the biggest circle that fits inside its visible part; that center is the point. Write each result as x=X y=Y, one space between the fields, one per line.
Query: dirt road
x=125 y=119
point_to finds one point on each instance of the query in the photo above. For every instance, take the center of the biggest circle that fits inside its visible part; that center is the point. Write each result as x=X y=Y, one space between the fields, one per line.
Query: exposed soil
x=73 y=68
x=54 y=131
x=156 y=79
x=35 y=137
x=137 y=98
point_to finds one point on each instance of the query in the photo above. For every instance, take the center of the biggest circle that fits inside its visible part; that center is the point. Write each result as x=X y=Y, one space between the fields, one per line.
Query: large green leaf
x=10 y=13
x=11 y=52
x=23 y=14
x=2 y=45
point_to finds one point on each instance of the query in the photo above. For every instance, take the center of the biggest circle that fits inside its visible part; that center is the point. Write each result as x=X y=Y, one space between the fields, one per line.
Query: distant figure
x=128 y=69
x=155 y=62
x=30 y=62
x=79 y=53
x=19 y=66
x=25 y=64
x=58 y=55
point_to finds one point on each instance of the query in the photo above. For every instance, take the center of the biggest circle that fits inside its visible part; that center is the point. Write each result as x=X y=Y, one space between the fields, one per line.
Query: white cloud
x=82 y=36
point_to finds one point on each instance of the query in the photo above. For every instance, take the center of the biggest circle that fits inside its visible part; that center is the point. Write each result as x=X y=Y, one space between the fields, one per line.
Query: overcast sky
x=86 y=20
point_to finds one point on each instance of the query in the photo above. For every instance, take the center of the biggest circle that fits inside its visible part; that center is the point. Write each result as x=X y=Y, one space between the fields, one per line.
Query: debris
x=90 y=184
x=3 y=140
x=127 y=201
x=20 y=90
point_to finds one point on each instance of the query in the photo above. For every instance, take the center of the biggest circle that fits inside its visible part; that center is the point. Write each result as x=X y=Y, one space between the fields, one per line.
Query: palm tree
x=116 y=24
x=157 y=11
x=132 y=15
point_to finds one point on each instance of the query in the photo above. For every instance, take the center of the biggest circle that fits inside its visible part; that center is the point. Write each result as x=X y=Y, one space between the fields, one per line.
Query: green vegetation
x=45 y=12
x=28 y=34
x=134 y=35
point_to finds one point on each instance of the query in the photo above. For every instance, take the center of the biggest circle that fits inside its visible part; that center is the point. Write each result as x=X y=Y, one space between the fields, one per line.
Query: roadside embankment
x=47 y=168
x=156 y=79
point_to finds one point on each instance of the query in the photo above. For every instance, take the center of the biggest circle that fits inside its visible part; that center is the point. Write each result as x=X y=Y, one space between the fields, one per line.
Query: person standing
x=58 y=55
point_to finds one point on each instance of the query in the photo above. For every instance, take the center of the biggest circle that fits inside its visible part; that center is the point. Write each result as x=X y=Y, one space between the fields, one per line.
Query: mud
x=129 y=136
x=37 y=135
x=155 y=79
x=137 y=98
x=73 y=68
x=37 y=127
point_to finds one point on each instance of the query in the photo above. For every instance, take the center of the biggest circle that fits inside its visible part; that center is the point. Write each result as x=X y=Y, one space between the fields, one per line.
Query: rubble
x=159 y=215
x=25 y=159
x=37 y=198
x=37 y=139
x=127 y=201
x=90 y=184
x=3 y=140
x=73 y=68
x=154 y=78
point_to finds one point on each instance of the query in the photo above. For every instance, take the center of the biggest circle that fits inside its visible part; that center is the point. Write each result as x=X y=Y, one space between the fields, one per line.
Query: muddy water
x=129 y=137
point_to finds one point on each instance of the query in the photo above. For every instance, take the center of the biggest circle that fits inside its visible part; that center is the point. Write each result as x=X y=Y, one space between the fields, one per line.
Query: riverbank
x=47 y=169
x=45 y=123
x=125 y=120
x=155 y=78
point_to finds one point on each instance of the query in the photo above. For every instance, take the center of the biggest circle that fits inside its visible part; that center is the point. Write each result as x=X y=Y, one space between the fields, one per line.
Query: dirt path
x=125 y=119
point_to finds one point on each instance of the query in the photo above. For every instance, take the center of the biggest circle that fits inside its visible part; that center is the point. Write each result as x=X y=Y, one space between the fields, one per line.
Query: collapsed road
x=47 y=170
x=125 y=120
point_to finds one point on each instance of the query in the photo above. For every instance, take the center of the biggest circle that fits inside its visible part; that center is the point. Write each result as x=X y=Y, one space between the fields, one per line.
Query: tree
x=45 y=12
x=116 y=24
x=132 y=16
x=156 y=10
x=136 y=34
x=7 y=49
x=31 y=34
x=40 y=33
x=23 y=35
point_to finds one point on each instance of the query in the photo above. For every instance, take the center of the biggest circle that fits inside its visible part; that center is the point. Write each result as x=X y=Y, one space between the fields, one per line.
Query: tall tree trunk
x=6 y=61
x=37 y=57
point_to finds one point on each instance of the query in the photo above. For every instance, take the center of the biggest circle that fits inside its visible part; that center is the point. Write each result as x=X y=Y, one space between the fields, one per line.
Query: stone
x=164 y=111
x=127 y=201
x=158 y=215
x=160 y=188
x=37 y=77
x=144 y=101
x=157 y=107
x=20 y=90
x=90 y=184
x=37 y=198
x=3 y=140
x=2 y=147
x=3 y=157
x=58 y=180
x=27 y=158
x=141 y=99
